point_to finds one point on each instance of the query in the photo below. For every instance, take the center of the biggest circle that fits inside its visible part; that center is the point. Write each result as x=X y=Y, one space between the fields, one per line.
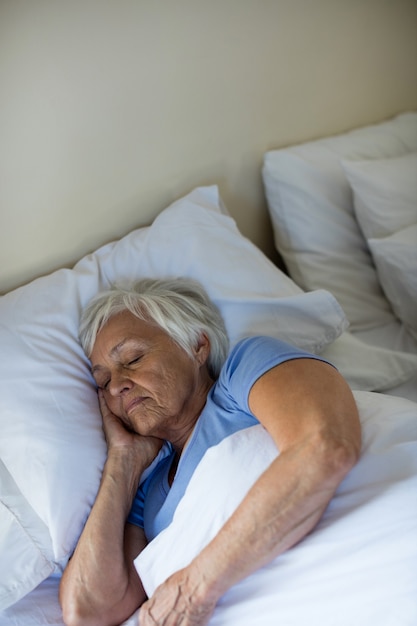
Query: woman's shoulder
x=252 y=356
x=265 y=345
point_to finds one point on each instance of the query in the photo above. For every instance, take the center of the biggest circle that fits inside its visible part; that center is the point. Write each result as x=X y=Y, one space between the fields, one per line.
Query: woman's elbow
x=98 y=608
x=71 y=614
x=338 y=455
x=74 y=611
x=345 y=455
x=74 y=614
x=71 y=617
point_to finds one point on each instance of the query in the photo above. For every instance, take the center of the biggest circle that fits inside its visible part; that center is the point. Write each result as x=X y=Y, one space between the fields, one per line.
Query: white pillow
x=51 y=441
x=312 y=214
x=385 y=193
x=366 y=534
x=370 y=368
x=396 y=262
x=25 y=545
x=385 y=201
x=218 y=485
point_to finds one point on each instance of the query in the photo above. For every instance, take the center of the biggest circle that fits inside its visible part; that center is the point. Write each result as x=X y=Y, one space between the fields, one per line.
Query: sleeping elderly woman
x=159 y=354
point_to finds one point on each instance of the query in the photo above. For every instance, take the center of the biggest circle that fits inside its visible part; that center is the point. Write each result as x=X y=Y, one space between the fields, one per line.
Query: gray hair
x=180 y=306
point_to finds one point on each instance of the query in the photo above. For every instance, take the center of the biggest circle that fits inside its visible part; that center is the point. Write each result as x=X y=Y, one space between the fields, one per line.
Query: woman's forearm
x=284 y=505
x=99 y=578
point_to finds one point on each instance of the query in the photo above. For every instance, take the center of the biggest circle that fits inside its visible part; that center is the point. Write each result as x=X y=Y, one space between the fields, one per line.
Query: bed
x=358 y=566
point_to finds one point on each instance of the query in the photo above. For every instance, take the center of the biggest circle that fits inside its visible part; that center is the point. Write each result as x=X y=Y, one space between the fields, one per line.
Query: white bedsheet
x=358 y=567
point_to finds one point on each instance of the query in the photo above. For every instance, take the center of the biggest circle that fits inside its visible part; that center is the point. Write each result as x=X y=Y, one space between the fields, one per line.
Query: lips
x=133 y=404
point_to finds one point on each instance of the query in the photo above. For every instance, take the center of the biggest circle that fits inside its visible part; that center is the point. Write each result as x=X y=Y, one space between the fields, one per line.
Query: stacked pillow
x=323 y=197
x=314 y=220
x=385 y=204
x=52 y=448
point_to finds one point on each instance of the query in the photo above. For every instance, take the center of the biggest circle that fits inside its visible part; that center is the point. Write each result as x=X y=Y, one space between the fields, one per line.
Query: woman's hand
x=118 y=437
x=181 y=600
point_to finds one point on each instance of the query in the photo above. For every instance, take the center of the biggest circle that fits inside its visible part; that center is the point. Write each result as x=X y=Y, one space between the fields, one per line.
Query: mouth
x=133 y=404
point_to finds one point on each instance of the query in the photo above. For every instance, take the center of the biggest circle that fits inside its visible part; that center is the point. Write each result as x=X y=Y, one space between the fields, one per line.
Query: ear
x=202 y=349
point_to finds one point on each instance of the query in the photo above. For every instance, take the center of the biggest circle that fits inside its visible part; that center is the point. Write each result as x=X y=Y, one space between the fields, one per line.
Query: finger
x=151 y=614
x=109 y=419
x=102 y=402
x=145 y=616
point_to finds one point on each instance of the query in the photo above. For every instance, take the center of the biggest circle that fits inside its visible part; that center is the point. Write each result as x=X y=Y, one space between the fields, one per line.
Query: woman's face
x=148 y=381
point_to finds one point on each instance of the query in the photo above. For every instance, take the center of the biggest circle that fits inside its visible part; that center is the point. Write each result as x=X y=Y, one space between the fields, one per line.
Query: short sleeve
x=136 y=512
x=249 y=360
x=155 y=477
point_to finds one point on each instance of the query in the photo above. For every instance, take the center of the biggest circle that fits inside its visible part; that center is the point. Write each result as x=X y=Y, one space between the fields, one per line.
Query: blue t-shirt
x=226 y=411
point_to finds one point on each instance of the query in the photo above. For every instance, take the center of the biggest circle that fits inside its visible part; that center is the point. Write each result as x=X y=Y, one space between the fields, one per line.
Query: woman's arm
x=309 y=410
x=100 y=585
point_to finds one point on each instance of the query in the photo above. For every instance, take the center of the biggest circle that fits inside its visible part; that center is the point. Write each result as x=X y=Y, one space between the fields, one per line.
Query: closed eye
x=134 y=360
x=102 y=384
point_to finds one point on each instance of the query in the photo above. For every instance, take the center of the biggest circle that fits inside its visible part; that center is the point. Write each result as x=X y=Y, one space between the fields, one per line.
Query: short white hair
x=180 y=306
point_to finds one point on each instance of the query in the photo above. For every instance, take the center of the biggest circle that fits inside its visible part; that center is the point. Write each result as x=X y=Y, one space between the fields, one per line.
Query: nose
x=119 y=385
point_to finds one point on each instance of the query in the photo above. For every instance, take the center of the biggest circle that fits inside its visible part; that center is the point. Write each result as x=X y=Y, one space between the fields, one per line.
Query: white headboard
x=111 y=110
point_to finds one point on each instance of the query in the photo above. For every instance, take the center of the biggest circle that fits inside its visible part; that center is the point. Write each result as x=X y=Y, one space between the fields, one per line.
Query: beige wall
x=109 y=110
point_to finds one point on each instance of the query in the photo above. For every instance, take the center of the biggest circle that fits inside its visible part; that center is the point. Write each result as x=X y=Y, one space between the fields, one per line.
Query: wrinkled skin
x=178 y=601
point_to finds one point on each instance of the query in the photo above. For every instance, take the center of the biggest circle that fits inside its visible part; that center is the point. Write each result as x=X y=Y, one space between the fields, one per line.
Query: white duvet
x=359 y=565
